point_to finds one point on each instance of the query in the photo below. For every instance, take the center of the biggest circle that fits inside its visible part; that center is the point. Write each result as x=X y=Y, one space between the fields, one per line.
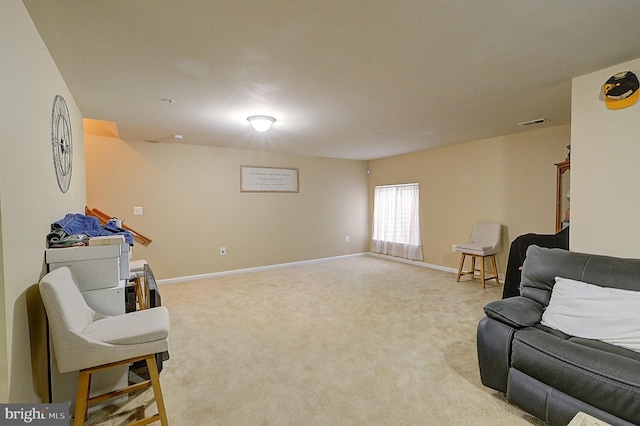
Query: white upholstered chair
x=484 y=243
x=88 y=341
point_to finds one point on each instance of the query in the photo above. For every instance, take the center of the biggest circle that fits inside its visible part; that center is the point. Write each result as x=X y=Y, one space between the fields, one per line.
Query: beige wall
x=193 y=205
x=29 y=196
x=510 y=180
x=605 y=169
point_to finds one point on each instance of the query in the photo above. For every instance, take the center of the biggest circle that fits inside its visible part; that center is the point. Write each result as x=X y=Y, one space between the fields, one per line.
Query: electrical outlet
x=346 y=238
x=137 y=211
x=223 y=250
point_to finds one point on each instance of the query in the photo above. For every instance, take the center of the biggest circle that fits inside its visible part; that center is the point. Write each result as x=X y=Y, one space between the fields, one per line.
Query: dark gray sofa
x=550 y=374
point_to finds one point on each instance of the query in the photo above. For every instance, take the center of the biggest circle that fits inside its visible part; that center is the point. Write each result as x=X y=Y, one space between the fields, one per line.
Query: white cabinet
x=93 y=267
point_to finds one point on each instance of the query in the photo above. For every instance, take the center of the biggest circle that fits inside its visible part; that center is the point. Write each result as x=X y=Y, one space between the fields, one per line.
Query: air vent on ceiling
x=530 y=122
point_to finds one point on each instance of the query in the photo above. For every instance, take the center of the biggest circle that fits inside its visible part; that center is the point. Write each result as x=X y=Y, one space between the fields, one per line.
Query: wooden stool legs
x=142 y=292
x=157 y=390
x=482 y=270
x=83 y=399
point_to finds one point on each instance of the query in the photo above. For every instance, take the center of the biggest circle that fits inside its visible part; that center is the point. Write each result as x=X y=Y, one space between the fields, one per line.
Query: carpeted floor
x=351 y=341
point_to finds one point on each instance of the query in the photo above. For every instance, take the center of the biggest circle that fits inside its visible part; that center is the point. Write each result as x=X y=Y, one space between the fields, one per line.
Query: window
x=396 y=221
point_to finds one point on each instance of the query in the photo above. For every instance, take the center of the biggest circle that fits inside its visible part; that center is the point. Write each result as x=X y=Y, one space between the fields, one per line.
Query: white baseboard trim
x=414 y=262
x=309 y=262
x=255 y=269
x=424 y=265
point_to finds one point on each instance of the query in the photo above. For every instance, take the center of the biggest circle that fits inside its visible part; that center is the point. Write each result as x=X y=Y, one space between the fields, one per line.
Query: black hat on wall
x=621 y=90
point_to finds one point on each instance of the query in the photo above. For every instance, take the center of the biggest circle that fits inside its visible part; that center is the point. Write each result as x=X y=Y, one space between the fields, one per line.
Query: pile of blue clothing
x=75 y=229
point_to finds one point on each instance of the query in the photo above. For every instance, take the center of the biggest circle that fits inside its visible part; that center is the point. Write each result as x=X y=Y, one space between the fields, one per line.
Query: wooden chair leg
x=137 y=285
x=157 y=390
x=473 y=266
x=82 y=397
x=479 y=271
x=462 y=255
x=141 y=299
x=495 y=268
x=147 y=294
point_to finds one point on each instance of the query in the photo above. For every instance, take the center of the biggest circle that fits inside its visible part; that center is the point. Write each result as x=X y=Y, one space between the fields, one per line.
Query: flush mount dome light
x=261 y=123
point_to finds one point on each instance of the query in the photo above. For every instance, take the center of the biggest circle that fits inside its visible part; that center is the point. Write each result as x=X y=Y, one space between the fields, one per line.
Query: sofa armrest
x=517 y=311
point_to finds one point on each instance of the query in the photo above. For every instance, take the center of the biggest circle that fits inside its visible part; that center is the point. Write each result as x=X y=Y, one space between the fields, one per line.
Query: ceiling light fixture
x=261 y=123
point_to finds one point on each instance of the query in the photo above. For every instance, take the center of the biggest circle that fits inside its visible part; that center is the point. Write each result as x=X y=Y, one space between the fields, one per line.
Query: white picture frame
x=268 y=179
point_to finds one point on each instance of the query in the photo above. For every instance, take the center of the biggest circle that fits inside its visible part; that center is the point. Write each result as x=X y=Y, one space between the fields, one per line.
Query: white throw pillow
x=579 y=309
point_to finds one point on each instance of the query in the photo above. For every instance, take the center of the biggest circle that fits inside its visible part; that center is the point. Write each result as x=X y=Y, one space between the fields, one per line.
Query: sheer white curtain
x=396 y=221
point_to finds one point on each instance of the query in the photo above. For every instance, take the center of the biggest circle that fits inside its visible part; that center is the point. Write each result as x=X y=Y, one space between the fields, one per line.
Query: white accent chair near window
x=484 y=243
x=86 y=341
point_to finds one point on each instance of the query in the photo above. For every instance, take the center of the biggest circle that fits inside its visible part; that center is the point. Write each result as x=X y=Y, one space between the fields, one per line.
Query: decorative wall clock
x=61 y=142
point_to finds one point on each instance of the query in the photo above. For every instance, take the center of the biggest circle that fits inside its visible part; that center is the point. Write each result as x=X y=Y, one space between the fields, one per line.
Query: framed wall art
x=268 y=179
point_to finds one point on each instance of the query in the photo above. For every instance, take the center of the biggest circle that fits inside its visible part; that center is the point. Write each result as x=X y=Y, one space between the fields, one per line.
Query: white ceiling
x=344 y=78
